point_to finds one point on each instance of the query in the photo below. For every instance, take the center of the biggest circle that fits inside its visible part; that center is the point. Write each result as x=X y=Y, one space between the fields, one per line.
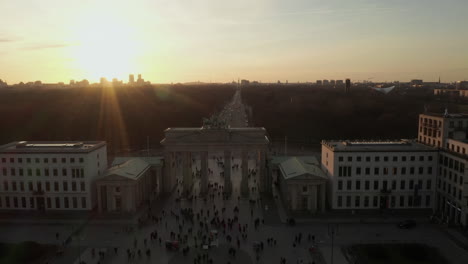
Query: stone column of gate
x=186 y=172
x=227 y=172
x=204 y=172
x=262 y=172
x=166 y=181
x=245 y=174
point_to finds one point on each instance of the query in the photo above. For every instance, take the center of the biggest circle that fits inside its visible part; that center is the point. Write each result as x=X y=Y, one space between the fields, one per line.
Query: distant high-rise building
x=103 y=81
x=131 y=78
x=139 y=77
x=319 y=82
x=244 y=82
x=339 y=82
x=332 y=82
x=416 y=82
x=348 y=85
x=325 y=82
x=72 y=82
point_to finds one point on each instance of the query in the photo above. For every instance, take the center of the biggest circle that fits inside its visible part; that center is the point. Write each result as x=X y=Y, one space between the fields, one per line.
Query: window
x=340 y=185
x=29 y=172
x=393 y=184
x=7 y=202
x=54 y=160
x=340 y=201
x=385 y=158
x=30 y=186
x=340 y=158
x=39 y=186
x=38 y=172
x=368 y=159
x=64 y=172
x=83 y=186
x=375 y=201
x=348 y=201
x=37 y=160
x=367 y=171
x=412 y=158
x=385 y=171
x=65 y=186
x=57 y=202
x=395 y=158
x=428 y=200
x=28 y=160
x=376 y=185
x=350 y=158
x=392 y=203
x=82 y=173
x=366 y=201
x=12 y=160
x=357 y=201
x=348 y=185
x=395 y=171
x=56 y=186
x=420 y=170
x=46 y=172
x=358 y=170
x=55 y=172
x=83 y=202
x=403 y=158
x=412 y=170
x=46 y=160
x=75 y=202
x=15 y=202
x=377 y=158
x=47 y=186
x=421 y=158
x=358 y=185
x=402 y=185
x=22 y=186
x=376 y=171
x=23 y=202
x=81 y=160
x=5 y=186
x=410 y=200
x=3 y=160
x=49 y=203
x=20 y=172
x=366 y=185
x=402 y=201
x=31 y=202
x=429 y=170
x=13 y=171
x=384 y=185
x=304 y=188
x=13 y=186
x=65 y=201
x=358 y=158
x=411 y=184
x=72 y=160
x=64 y=160
x=4 y=171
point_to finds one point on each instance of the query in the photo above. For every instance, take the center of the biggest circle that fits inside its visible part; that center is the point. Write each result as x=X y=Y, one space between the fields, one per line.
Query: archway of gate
x=231 y=159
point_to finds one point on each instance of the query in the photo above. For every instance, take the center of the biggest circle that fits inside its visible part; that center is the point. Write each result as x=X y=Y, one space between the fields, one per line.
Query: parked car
x=407 y=224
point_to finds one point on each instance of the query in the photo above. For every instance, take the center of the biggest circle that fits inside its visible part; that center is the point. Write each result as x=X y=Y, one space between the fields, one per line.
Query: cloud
x=6 y=40
x=46 y=46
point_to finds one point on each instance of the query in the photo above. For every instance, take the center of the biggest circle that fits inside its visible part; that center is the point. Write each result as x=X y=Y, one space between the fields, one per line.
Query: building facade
x=50 y=175
x=380 y=174
x=434 y=129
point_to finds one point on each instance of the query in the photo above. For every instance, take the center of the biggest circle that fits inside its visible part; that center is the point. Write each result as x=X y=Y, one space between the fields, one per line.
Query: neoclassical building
x=301 y=183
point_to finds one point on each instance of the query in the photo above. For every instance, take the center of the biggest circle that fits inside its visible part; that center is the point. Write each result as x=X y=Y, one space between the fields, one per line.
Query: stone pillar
x=313 y=191
x=322 y=197
x=245 y=174
x=204 y=172
x=227 y=172
x=262 y=172
x=186 y=171
x=168 y=173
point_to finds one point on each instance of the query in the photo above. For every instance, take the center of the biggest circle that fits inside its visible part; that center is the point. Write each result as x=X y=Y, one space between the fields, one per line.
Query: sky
x=220 y=41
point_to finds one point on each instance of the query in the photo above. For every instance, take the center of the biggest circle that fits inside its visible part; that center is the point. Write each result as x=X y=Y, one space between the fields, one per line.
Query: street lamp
x=332 y=231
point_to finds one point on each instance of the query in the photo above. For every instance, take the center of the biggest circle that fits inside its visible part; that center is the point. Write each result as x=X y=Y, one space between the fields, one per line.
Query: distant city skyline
x=217 y=41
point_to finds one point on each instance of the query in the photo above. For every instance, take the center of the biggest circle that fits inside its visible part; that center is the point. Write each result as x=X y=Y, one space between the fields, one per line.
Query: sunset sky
x=219 y=41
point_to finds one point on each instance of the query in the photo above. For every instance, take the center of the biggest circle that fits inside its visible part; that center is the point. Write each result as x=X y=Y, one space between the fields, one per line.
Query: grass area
x=25 y=252
x=394 y=254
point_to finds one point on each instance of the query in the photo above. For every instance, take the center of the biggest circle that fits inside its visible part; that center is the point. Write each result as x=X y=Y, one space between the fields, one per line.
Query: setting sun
x=106 y=47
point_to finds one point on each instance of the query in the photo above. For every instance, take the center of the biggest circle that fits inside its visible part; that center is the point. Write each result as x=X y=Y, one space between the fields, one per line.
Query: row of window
x=75 y=172
x=42 y=186
x=38 y=160
x=346 y=171
x=452 y=190
x=8 y=202
x=385 y=158
x=386 y=185
x=382 y=202
x=451 y=163
x=448 y=174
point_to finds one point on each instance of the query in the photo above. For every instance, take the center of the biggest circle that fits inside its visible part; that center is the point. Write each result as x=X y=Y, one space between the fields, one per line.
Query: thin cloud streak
x=46 y=46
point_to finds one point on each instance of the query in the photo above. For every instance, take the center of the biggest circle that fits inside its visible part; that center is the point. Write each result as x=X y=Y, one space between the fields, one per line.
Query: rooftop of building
x=51 y=146
x=298 y=166
x=153 y=161
x=400 y=145
x=131 y=169
x=455 y=115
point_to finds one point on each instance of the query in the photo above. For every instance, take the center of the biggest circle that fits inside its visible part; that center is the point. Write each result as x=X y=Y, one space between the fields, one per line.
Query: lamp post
x=332 y=230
